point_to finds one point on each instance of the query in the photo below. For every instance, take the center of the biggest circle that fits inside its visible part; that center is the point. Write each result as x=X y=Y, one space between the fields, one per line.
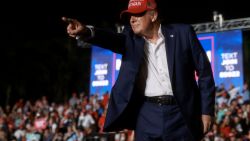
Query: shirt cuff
x=91 y=28
x=92 y=32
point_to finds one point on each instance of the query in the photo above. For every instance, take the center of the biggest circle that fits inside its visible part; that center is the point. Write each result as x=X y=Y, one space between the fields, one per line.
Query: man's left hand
x=207 y=121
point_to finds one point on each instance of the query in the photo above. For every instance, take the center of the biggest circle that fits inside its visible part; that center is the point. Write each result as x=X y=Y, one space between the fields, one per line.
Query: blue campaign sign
x=105 y=66
x=225 y=52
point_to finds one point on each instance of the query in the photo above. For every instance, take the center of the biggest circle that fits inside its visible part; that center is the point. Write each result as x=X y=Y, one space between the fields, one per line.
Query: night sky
x=38 y=58
x=43 y=18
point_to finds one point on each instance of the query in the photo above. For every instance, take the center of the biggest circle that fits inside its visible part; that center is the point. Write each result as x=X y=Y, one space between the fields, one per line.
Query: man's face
x=141 y=23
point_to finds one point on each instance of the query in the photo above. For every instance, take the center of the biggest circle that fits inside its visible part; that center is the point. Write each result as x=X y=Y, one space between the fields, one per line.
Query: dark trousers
x=161 y=123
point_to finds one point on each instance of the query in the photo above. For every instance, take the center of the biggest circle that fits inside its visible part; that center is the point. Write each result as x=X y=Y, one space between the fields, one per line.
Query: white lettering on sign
x=230 y=62
x=229 y=74
x=101 y=70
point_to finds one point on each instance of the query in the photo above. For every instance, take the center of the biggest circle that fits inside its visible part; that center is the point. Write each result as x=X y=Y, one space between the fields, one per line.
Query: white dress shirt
x=155 y=61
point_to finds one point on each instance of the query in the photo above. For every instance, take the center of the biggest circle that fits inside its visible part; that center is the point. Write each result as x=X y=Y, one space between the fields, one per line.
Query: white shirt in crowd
x=85 y=120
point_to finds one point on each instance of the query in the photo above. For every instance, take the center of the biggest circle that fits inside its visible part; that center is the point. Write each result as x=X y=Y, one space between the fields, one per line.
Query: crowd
x=232 y=120
x=81 y=118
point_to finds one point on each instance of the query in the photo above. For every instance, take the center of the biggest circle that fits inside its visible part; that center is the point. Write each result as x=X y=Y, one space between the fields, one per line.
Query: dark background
x=38 y=58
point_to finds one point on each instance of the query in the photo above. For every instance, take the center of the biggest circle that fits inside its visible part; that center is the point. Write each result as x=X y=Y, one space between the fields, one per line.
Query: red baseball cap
x=139 y=6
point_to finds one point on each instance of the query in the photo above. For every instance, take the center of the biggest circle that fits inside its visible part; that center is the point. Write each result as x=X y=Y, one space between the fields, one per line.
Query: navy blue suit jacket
x=185 y=55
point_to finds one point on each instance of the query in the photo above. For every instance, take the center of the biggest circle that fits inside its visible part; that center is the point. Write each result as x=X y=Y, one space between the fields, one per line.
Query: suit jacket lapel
x=139 y=47
x=170 y=49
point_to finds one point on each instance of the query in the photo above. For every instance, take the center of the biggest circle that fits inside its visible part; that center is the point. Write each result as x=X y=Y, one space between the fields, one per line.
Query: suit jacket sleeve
x=205 y=76
x=109 y=40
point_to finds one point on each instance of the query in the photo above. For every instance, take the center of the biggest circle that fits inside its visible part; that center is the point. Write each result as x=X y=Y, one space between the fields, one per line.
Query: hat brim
x=131 y=11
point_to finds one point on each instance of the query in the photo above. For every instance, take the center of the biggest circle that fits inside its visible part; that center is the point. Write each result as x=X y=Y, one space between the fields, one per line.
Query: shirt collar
x=160 y=32
x=160 y=35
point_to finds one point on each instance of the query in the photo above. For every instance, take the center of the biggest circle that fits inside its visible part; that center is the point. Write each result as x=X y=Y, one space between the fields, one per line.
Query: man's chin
x=138 y=33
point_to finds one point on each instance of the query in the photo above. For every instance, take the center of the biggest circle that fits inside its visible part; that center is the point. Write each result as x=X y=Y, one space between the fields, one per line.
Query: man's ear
x=154 y=15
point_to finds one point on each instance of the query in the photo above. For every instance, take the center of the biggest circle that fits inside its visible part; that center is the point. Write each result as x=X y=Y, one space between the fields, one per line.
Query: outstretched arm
x=100 y=37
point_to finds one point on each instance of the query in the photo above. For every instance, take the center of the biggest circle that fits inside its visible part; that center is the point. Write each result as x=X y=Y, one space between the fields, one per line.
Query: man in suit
x=156 y=93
